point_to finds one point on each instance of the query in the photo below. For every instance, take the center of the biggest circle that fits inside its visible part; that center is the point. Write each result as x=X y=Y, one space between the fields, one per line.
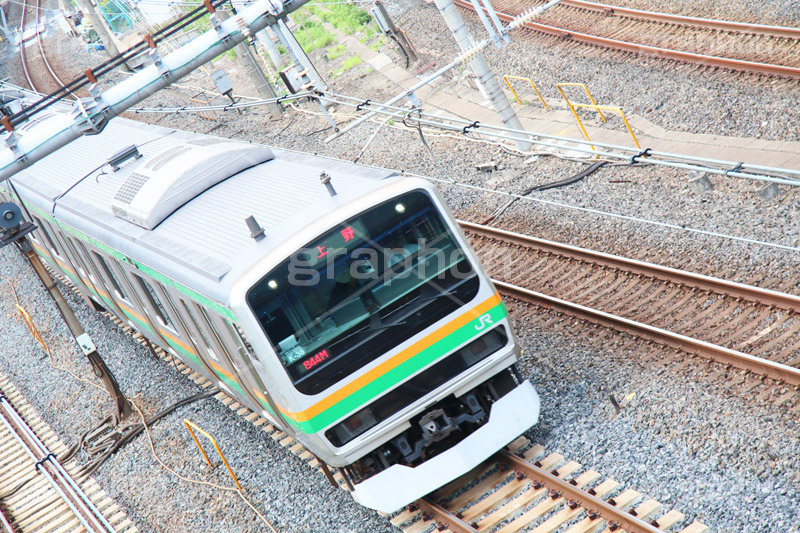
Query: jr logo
x=485 y=321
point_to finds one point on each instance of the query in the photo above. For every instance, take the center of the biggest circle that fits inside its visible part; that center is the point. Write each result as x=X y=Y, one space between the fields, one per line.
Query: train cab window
x=200 y=330
x=119 y=293
x=155 y=303
x=50 y=243
x=361 y=289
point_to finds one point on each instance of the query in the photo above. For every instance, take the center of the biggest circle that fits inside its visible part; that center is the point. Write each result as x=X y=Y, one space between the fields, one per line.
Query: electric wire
x=146 y=426
x=591 y=210
x=458 y=125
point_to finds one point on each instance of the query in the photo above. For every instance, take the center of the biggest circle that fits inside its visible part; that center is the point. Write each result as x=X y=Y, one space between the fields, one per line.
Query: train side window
x=80 y=259
x=155 y=303
x=200 y=330
x=87 y=259
x=50 y=243
x=120 y=294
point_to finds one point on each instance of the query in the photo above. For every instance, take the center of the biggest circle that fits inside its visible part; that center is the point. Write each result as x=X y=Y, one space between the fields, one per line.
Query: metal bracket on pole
x=487 y=4
x=486 y=24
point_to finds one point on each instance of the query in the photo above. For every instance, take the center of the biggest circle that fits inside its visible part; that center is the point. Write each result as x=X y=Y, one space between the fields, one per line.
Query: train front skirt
x=400 y=485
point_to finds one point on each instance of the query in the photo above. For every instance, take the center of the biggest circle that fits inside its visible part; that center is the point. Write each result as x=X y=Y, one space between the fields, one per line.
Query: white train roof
x=182 y=189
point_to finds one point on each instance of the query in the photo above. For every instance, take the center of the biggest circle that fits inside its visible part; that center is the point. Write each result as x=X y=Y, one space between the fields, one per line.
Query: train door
x=196 y=342
x=243 y=362
x=211 y=334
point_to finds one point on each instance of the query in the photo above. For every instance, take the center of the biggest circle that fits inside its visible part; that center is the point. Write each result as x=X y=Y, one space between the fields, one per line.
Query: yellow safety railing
x=189 y=425
x=508 y=82
x=593 y=105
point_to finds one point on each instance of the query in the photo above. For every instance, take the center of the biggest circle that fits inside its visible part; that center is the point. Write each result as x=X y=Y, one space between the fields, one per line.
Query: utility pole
x=486 y=78
x=122 y=407
x=259 y=79
x=387 y=26
x=99 y=25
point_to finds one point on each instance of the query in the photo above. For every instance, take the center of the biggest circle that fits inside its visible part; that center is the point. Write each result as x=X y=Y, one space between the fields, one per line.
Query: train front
x=388 y=349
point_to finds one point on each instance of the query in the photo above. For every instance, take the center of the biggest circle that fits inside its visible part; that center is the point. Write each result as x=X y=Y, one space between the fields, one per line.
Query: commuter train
x=342 y=302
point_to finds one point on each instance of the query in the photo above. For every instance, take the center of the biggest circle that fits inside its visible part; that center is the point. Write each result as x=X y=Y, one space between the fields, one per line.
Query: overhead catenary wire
x=631 y=155
x=584 y=146
x=399 y=113
x=667 y=225
x=613 y=215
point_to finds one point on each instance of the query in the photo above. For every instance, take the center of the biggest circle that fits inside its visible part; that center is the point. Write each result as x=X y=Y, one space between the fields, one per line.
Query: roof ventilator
x=129 y=152
x=173 y=177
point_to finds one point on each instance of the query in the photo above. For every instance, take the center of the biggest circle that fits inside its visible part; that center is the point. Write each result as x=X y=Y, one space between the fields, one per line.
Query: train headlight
x=400 y=208
x=272 y=284
x=352 y=426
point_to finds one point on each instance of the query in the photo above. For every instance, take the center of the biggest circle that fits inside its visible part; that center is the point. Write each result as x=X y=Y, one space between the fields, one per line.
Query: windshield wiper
x=421 y=298
x=373 y=326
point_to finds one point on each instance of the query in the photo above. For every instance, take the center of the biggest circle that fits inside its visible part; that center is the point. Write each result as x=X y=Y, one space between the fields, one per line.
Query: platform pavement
x=469 y=104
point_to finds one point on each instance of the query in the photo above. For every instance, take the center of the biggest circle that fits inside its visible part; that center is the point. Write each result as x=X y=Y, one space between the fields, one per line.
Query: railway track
x=38 y=71
x=525 y=488
x=521 y=488
x=738 y=325
x=514 y=490
x=37 y=492
x=770 y=50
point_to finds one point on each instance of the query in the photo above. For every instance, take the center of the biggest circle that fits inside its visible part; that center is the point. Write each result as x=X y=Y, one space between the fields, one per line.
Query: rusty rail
x=781 y=300
x=22 y=49
x=443 y=517
x=643 y=49
x=712 y=24
x=757 y=365
x=623 y=520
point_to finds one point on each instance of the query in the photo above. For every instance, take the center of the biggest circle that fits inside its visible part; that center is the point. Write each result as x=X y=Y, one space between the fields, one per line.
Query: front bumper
x=400 y=485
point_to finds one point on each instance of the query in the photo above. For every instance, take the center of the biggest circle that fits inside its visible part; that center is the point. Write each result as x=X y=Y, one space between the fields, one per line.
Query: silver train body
x=360 y=321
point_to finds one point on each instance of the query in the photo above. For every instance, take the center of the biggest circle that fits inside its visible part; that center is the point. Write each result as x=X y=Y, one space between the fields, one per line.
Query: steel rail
x=713 y=24
x=726 y=356
x=442 y=516
x=40 y=44
x=59 y=479
x=5 y=525
x=643 y=49
x=768 y=297
x=623 y=520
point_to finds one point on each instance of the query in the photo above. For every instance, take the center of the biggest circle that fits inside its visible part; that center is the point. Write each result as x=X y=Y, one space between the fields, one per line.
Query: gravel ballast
x=717 y=455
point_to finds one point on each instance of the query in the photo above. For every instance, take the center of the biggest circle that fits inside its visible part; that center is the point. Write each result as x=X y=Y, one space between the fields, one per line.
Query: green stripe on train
x=380 y=385
x=144 y=326
x=194 y=295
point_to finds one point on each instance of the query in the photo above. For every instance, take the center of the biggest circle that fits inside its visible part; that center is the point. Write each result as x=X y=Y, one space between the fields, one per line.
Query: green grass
x=378 y=43
x=335 y=52
x=351 y=62
x=313 y=36
x=347 y=64
x=346 y=18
